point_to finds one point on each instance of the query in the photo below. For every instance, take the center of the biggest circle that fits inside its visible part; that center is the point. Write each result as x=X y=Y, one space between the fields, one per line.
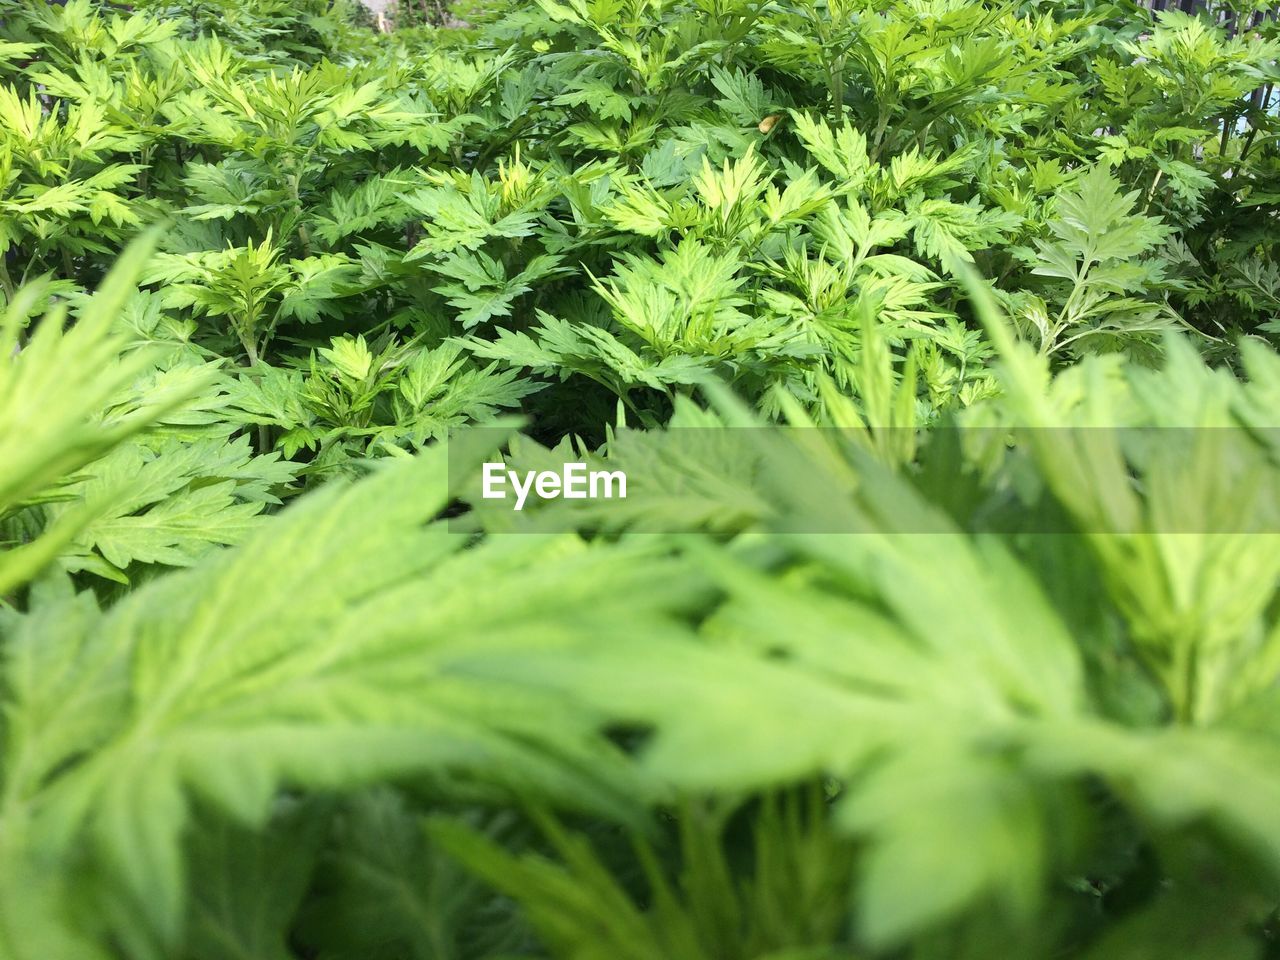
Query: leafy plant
x=919 y=634
x=54 y=391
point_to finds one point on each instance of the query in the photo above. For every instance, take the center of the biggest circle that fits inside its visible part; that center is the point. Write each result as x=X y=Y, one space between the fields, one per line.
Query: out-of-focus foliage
x=1015 y=748
x=981 y=662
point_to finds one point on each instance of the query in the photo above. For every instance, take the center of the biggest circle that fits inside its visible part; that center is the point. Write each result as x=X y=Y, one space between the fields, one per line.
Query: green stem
x=6 y=282
x=1253 y=127
x=304 y=237
x=144 y=175
x=877 y=136
x=836 y=89
x=1152 y=192
x=264 y=430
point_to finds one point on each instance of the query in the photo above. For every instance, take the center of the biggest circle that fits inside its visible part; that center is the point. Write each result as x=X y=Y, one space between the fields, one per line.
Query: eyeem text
x=573 y=482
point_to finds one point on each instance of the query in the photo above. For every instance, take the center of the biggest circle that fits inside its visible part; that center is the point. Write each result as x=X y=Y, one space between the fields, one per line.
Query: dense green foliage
x=262 y=699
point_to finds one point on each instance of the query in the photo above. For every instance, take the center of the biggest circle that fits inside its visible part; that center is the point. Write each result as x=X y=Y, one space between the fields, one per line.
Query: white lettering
x=494 y=474
x=522 y=490
x=609 y=477
x=548 y=485
x=575 y=481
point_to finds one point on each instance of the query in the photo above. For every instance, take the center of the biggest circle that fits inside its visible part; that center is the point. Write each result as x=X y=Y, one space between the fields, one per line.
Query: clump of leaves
x=353 y=401
x=844 y=697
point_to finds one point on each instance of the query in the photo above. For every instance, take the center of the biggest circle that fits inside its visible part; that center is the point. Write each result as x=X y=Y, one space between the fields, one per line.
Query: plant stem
x=6 y=282
x=295 y=194
x=836 y=89
x=1253 y=127
x=1152 y=192
x=878 y=136
x=264 y=430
